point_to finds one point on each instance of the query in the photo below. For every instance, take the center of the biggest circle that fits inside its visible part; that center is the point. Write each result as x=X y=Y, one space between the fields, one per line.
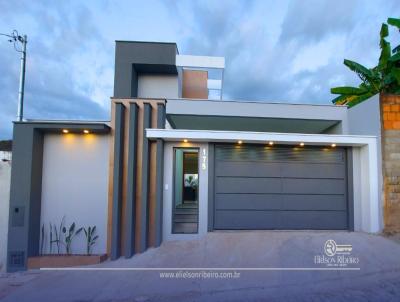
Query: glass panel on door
x=186 y=191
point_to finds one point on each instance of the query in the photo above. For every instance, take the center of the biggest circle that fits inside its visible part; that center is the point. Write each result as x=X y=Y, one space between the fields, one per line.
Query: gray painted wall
x=364 y=119
x=257 y=109
x=134 y=58
x=26 y=186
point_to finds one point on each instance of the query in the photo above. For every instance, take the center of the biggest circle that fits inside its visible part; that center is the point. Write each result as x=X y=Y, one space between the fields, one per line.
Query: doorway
x=186 y=191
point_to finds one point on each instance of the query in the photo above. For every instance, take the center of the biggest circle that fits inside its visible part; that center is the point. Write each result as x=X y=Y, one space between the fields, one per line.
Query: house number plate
x=204 y=159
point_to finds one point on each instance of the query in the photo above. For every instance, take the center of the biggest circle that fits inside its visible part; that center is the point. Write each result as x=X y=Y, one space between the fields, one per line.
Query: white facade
x=75 y=185
x=5 y=177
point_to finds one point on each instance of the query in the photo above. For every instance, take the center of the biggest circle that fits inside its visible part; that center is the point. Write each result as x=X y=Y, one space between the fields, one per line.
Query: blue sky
x=286 y=51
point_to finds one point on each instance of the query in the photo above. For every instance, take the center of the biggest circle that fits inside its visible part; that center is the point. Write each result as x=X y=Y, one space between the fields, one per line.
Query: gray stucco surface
x=364 y=119
x=378 y=277
x=132 y=58
x=256 y=116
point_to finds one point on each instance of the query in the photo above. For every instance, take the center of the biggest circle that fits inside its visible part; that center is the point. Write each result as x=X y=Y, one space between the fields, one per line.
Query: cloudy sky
x=286 y=51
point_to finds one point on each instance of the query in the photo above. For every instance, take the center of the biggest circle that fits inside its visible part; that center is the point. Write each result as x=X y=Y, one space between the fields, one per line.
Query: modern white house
x=176 y=161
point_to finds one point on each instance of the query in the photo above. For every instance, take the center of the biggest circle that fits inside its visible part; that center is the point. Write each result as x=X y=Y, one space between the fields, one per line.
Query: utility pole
x=16 y=39
x=20 y=113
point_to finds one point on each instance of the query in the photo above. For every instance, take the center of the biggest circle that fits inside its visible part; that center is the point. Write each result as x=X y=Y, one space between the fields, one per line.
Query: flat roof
x=253 y=116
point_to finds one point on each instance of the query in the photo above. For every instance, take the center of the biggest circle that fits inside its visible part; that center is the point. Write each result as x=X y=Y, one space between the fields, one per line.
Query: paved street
x=375 y=276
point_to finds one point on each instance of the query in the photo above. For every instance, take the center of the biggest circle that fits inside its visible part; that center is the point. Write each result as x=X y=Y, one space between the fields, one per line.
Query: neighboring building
x=176 y=161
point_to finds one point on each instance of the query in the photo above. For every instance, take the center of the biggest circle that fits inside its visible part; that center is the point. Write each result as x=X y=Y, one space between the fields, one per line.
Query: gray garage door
x=259 y=187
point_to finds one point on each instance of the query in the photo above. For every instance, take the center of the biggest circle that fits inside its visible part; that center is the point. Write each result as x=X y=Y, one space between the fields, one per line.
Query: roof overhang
x=53 y=126
x=259 y=137
x=253 y=116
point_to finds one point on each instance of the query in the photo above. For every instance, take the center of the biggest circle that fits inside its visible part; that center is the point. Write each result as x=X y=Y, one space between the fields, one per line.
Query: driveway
x=256 y=266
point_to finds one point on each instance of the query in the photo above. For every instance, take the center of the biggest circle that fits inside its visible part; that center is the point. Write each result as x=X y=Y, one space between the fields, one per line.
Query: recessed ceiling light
x=271 y=143
x=240 y=142
x=185 y=140
x=65 y=131
x=86 y=131
x=333 y=145
x=301 y=144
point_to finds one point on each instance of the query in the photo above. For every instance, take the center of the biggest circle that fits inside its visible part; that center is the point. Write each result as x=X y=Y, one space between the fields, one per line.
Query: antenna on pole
x=20 y=46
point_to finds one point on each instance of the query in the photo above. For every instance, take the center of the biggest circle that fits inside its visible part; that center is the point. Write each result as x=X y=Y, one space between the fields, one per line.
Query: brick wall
x=390 y=107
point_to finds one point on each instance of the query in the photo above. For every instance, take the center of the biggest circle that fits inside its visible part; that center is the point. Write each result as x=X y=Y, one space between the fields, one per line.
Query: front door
x=185 y=215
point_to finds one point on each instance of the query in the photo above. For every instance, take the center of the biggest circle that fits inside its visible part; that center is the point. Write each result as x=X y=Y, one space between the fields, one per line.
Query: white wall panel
x=158 y=86
x=75 y=184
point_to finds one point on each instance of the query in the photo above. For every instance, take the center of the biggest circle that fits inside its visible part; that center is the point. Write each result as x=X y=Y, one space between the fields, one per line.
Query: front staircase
x=186 y=218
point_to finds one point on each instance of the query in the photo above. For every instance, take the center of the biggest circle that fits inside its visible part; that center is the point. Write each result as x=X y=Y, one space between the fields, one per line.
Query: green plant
x=50 y=238
x=68 y=237
x=42 y=240
x=58 y=234
x=383 y=78
x=90 y=238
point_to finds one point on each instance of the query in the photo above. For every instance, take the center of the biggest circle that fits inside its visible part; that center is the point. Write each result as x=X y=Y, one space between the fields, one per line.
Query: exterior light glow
x=333 y=145
x=271 y=143
x=185 y=140
x=240 y=142
x=86 y=131
x=301 y=144
x=65 y=131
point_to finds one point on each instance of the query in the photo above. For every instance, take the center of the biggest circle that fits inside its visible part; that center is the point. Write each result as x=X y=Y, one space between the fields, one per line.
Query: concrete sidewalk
x=376 y=278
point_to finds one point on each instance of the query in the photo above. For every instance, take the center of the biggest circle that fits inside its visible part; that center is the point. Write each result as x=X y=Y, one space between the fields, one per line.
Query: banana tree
x=385 y=77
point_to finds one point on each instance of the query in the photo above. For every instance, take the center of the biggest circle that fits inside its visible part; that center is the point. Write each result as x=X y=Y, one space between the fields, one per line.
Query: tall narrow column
x=144 y=203
x=117 y=181
x=159 y=176
x=131 y=182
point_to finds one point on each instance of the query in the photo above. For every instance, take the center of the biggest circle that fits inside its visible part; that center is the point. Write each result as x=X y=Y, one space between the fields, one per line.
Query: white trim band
x=200 y=61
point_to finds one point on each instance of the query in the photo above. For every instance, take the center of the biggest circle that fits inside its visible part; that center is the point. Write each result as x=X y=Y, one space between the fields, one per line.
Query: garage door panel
x=280 y=188
x=314 y=202
x=248 y=201
x=320 y=220
x=246 y=220
x=312 y=170
x=283 y=220
x=247 y=185
x=280 y=202
x=313 y=186
x=247 y=169
x=278 y=154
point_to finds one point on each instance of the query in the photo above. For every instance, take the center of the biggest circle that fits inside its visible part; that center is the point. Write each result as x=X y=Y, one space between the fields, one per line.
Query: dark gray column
x=159 y=176
x=350 y=184
x=25 y=196
x=117 y=181
x=131 y=182
x=144 y=203
x=211 y=148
